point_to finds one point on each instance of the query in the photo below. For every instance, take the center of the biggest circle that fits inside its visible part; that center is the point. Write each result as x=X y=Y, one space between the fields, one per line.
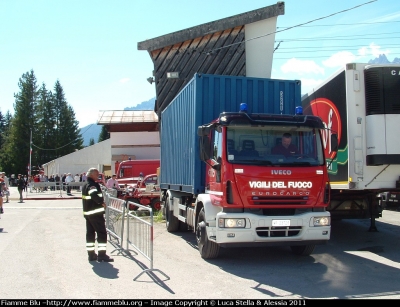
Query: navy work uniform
x=93 y=211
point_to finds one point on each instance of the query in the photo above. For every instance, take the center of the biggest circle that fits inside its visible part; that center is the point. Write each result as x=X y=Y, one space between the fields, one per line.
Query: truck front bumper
x=270 y=230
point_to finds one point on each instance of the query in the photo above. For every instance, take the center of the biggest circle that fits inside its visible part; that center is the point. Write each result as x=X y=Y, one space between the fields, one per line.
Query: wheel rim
x=156 y=205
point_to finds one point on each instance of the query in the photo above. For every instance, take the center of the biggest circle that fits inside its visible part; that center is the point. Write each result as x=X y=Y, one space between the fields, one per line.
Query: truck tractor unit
x=361 y=104
x=222 y=177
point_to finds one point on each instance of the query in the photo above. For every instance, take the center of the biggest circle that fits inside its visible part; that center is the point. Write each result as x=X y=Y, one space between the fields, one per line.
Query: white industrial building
x=97 y=155
x=133 y=135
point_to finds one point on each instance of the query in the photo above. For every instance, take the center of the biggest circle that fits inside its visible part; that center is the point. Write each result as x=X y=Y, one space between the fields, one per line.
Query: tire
x=183 y=226
x=133 y=207
x=207 y=249
x=171 y=221
x=155 y=204
x=303 y=250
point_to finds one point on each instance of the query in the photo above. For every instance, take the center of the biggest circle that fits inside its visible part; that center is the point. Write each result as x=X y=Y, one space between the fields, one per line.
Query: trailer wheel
x=171 y=221
x=207 y=249
x=303 y=250
x=155 y=204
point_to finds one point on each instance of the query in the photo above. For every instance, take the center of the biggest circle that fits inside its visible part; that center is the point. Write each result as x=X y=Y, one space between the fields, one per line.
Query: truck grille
x=278 y=200
x=287 y=231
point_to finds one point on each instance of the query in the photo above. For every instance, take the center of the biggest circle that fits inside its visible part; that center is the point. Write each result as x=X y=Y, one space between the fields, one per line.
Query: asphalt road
x=43 y=256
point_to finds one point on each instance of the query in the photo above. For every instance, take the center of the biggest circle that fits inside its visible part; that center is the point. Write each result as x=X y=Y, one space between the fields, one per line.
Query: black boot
x=92 y=256
x=104 y=258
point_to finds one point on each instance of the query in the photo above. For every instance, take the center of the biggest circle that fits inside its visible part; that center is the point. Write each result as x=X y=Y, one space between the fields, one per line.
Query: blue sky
x=91 y=46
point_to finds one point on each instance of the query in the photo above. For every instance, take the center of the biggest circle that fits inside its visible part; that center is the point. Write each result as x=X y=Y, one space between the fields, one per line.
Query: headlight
x=321 y=221
x=231 y=223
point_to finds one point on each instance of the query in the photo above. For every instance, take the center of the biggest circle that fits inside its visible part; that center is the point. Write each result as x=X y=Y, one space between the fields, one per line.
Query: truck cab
x=129 y=171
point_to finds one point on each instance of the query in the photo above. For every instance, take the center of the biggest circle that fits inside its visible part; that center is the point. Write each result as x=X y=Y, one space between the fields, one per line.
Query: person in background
x=285 y=148
x=5 y=186
x=68 y=180
x=112 y=183
x=57 y=180
x=26 y=183
x=51 y=179
x=63 y=180
x=1 y=193
x=77 y=178
x=1 y=196
x=84 y=178
x=93 y=211
x=20 y=187
x=31 y=180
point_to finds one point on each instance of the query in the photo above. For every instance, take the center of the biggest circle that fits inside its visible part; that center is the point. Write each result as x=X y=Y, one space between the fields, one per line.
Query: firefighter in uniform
x=93 y=211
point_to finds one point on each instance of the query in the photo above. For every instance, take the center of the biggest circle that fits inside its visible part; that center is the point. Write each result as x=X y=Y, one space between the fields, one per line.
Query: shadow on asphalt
x=345 y=267
x=150 y=272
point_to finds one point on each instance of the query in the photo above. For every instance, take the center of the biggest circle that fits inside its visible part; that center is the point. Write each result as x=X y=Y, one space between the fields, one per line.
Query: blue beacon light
x=299 y=110
x=243 y=107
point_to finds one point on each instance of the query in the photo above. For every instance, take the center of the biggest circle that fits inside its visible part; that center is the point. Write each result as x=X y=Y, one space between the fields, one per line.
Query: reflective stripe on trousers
x=102 y=246
x=90 y=247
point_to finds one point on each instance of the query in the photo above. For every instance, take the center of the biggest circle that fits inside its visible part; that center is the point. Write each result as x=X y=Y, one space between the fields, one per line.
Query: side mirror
x=204 y=148
x=334 y=142
x=204 y=130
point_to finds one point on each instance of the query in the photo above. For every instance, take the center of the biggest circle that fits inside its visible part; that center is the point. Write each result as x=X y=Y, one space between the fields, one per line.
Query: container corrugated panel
x=200 y=102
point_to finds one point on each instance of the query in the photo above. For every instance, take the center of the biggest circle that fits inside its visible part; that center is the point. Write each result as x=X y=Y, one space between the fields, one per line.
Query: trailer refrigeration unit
x=361 y=103
x=220 y=178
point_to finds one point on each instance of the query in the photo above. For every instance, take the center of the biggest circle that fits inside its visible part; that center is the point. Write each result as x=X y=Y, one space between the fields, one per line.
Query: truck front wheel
x=303 y=250
x=207 y=249
x=171 y=221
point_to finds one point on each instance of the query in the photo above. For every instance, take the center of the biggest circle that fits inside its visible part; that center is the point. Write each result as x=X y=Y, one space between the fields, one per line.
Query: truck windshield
x=274 y=145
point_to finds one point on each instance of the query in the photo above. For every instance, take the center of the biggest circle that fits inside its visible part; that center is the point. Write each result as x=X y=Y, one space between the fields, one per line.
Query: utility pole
x=30 y=156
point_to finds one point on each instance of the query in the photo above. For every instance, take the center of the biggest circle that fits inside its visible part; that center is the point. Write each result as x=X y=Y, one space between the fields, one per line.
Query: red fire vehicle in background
x=145 y=192
x=128 y=171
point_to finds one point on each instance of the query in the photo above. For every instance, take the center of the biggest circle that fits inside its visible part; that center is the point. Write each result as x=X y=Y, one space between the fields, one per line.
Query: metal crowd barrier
x=56 y=188
x=43 y=187
x=139 y=234
x=139 y=229
x=115 y=218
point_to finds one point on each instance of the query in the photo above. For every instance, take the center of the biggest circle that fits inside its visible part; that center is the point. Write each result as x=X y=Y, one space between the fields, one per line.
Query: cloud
x=307 y=85
x=301 y=67
x=373 y=50
x=339 y=59
x=364 y=53
x=389 y=17
x=124 y=80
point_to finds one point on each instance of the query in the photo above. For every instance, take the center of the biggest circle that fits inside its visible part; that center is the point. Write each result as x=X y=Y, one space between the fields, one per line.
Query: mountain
x=90 y=131
x=145 y=105
x=93 y=130
x=382 y=59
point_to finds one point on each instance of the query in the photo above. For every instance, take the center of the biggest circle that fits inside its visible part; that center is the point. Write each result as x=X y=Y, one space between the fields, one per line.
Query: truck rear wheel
x=171 y=221
x=207 y=249
x=303 y=250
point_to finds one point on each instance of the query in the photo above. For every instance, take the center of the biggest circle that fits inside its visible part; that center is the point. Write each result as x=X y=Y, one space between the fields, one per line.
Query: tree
x=5 y=124
x=91 y=141
x=17 y=146
x=45 y=116
x=67 y=135
x=104 y=135
x=45 y=140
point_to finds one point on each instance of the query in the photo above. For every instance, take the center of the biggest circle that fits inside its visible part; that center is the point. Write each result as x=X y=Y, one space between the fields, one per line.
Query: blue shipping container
x=201 y=101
